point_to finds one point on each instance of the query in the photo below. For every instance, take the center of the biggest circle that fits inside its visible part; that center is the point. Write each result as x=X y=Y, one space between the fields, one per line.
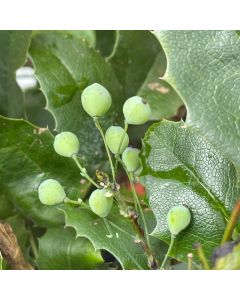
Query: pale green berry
x=178 y=218
x=96 y=100
x=136 y=111
x=130 y=158
x=114 y=135
x=51 y=192
x=100 y=204
x=66 y=144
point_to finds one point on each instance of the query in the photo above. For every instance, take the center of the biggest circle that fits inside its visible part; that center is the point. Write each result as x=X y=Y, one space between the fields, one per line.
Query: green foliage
x=59 y=249
x=139 y=62
x=27 y=158
x=13 y=53
x=121 y=245
x=164 y=101
x=193 y=163
x=7 y=208
x=71 y=66
x=182 y=168
x=203 y=67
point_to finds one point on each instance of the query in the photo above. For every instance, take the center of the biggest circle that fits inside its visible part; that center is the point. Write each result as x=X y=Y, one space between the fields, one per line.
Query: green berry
x=114 y=136
x=100 y=204
x=96 y=100
x=130 y=158
x=136 y=111
x=66 y=144
x=51 y=192
x=178 y=218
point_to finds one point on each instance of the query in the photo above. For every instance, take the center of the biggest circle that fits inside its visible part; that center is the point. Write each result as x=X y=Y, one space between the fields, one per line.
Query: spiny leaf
x=203 y=67
x=27 y=158
x=181 y=167
x=122 y=244
x=64 y=66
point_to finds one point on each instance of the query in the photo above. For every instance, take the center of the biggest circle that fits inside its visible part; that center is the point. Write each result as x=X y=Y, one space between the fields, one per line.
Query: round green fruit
x=96 y=100
x=114 y=136
x=66 y=144
x=178 y=218
x=100 y=204
x=51 y=192
x=136 y=111
x=130 y=158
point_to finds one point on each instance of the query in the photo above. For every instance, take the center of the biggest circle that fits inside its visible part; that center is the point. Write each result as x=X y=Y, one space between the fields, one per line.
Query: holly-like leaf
x=13 y=52
x=86 y=35
x=139 y=62
x=64 y=66
x=105 y=40
x=59 y=249
x=121 y=245
x=181 y=167
x=132 y=58
x=164 y=101
x=203 y=67
x=27 y=158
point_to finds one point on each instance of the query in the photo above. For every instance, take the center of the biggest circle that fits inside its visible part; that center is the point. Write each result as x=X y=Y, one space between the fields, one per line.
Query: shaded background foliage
x=128 y=63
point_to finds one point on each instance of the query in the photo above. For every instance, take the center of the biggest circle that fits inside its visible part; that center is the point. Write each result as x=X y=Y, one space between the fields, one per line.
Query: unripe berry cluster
x=96 y=101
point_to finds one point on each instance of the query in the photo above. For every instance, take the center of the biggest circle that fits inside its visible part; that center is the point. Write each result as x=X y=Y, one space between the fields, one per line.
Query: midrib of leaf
x=215 y=200
x=68 y=255
x=115 y=46
x=120 y=229
x=106 y=248
x=60 y=60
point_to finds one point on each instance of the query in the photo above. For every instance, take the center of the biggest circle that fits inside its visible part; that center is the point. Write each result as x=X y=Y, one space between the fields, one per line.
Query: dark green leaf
x=64 y=66
x=203 y=67
x=13 y=51
x=18 y=225
x=139 y=62
x=6 y=207
x=121 y=245
x=105 y=40
x=59 y=249
x=86 y=35
x=27 y=158
x=133 y=56
x=180 y=167
x=164 y=101
x=36 y=113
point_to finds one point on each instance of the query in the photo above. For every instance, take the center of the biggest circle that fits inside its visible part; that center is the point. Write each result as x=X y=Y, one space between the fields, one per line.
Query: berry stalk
x=107 y=149
x=84 y=172
x=168 y=252
x=142 y=234
x=120 y=145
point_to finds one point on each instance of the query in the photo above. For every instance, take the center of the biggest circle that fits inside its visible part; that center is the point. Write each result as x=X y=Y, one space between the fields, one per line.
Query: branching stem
x=84 y=171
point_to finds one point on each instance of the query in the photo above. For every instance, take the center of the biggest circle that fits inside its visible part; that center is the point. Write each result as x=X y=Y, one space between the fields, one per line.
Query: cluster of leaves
x=194 y=163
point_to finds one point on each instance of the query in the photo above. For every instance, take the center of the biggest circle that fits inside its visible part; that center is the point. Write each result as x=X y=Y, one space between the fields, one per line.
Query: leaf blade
x=203 y=67
x=180 y=167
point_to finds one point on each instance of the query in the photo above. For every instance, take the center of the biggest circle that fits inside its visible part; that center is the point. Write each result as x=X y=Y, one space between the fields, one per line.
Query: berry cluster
x=96 y=101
